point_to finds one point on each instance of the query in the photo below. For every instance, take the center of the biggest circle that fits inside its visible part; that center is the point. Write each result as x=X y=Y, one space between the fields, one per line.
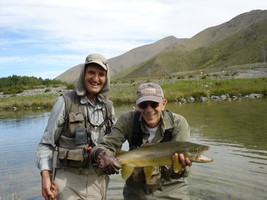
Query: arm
x=181 y=130
x=43 y=157
x=181 y=133
x=49 y=191
x=104 y=153
x=121 y=131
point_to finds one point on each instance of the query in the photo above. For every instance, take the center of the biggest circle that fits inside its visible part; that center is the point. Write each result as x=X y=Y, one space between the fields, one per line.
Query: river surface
x=236 y=132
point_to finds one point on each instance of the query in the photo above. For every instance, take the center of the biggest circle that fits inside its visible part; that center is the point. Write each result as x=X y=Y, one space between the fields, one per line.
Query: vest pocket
x=76 y=120
x=75 y=158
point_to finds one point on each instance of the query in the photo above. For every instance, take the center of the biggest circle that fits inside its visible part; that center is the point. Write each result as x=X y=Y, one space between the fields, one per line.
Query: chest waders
x=136 y=141
x=137 y=134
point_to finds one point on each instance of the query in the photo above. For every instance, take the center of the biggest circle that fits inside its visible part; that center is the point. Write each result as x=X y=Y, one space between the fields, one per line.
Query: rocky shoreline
x=32 y=92
x=225 y=97
x=260 y=72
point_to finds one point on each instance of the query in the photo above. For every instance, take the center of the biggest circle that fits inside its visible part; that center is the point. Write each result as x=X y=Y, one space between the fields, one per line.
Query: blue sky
x=45 y=38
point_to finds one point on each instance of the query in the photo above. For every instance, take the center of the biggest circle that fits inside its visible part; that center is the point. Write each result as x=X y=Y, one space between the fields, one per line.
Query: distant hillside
x=238 y=41
x=242 y=47
x=126 y=60
x=71 y=75
x=141 y=54
x=214 y=34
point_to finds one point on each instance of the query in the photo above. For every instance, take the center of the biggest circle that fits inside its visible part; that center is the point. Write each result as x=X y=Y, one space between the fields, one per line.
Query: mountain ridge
x=148 y=56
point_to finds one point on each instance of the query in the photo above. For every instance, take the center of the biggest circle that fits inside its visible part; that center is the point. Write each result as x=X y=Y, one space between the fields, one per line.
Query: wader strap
x=137 y=134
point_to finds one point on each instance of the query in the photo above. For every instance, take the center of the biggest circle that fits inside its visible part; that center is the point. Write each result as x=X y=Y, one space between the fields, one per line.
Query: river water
x=236 y=132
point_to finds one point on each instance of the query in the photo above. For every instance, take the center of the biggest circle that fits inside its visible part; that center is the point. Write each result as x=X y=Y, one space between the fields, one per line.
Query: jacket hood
x=102 y=96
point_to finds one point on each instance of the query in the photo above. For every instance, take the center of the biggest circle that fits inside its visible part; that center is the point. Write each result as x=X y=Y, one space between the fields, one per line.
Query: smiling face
x=94 y=79
x=151 y=111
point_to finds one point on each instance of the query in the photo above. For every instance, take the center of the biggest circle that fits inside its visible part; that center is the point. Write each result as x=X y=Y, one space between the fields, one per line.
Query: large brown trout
x=160 y=154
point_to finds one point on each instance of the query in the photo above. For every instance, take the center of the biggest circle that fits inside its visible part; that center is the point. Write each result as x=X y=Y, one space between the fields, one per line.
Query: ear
x=164 y=103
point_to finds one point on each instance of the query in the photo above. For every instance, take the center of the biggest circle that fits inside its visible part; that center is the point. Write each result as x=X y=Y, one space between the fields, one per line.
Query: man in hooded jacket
x=77 y=122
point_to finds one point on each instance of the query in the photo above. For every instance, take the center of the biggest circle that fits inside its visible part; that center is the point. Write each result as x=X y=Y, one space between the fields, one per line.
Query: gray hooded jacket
x=56 y=121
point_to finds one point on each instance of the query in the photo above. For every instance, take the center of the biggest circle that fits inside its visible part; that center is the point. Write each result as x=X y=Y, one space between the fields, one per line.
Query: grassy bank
x=177 y=89
x=40 y=101
x=233 y=87
x=174 y=90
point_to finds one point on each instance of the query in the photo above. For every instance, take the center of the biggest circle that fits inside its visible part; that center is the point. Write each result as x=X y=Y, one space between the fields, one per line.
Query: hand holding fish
x=107 y=162
x=185 y=161
x=179 y=163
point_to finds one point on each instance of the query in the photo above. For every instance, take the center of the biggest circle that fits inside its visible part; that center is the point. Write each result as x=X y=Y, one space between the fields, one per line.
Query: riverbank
x=216 y=86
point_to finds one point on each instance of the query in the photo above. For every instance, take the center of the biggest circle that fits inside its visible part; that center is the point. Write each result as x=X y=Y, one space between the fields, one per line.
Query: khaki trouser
x=86 y=184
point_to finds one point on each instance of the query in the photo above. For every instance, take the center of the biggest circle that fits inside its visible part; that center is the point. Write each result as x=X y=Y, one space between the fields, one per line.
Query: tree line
x=16 y=84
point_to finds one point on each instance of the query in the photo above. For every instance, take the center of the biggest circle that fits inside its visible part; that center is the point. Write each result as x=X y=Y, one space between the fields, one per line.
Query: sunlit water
x=235 y=131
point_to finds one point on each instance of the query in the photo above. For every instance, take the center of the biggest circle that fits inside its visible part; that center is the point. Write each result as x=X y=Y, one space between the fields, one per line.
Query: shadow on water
x=235 y=131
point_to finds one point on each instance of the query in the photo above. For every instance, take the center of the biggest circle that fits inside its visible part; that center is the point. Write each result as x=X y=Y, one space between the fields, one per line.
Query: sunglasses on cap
x=152 y=104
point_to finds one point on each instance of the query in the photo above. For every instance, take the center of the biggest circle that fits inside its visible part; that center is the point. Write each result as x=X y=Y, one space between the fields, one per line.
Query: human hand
x=107 y=162
x=49 y=191
x=179 y=163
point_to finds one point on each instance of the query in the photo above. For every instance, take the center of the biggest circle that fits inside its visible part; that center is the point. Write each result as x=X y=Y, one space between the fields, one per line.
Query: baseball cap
x=149 y=92
x=97 y=59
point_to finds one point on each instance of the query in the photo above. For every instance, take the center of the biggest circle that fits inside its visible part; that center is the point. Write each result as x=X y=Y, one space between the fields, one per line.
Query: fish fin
x=147 y=145
x=176 y=164
x=148 y=171
x=126 y=171
x=119 y=152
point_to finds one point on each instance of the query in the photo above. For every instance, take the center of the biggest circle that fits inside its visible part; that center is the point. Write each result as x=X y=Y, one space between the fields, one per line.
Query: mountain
x=141 y=54
x=128 y=59
x=245 y=47
x=214 y=34
x=238 y=41
x=71 y=75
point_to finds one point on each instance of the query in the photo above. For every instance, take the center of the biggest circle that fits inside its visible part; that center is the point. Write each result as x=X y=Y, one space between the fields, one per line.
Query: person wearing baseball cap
x=78 y=122
x=149 y=123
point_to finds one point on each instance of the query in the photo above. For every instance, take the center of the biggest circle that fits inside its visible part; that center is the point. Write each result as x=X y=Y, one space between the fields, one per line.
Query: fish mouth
x=203 y=159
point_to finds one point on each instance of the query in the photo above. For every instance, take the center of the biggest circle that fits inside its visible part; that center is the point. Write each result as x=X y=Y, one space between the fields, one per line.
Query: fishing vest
x=137 y=134
x=75 y=141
